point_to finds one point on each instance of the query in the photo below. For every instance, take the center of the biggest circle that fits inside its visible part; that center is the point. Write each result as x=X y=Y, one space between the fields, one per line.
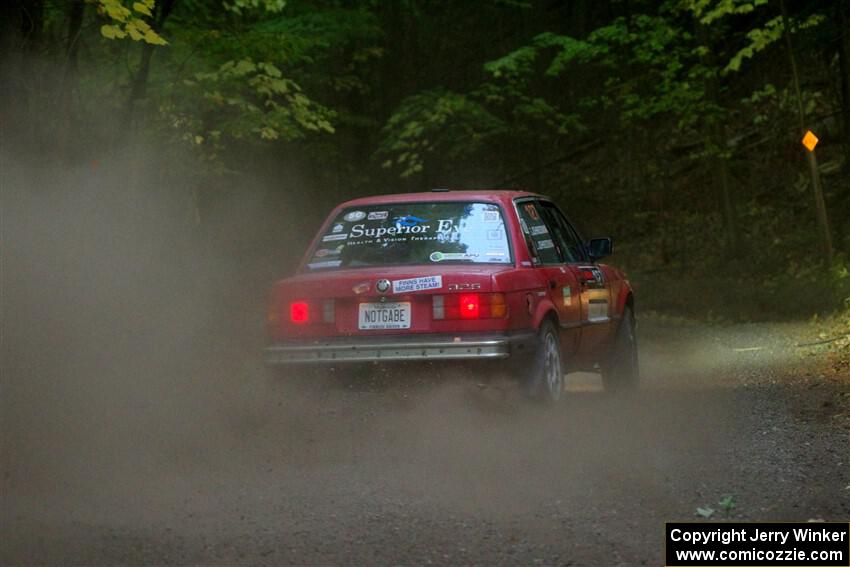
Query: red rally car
x=454 y=276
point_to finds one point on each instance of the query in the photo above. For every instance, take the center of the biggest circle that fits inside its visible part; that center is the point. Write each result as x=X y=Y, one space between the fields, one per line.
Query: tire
x=546 y=382
x=621 y=372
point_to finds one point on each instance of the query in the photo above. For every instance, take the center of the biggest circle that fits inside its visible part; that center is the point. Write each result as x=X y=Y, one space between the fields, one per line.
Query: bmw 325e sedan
x=458 y=276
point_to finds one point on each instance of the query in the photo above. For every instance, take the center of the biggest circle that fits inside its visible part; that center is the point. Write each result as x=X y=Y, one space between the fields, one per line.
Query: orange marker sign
x=810 y=140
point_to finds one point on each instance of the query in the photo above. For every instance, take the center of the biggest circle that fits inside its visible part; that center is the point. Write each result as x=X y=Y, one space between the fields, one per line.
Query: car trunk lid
x=335 y=297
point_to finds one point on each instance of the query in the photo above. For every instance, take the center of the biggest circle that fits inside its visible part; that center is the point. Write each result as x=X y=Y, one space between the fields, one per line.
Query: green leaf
x=107 y=31
x=110 y=31
x=154 y=38
x=115 y=10
x=244 y=67
x=268 y=133
x=133 y=30
x=142 y=8
x=727 y=503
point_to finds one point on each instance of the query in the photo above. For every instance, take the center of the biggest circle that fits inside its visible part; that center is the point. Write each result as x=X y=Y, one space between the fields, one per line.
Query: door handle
x=553 y=284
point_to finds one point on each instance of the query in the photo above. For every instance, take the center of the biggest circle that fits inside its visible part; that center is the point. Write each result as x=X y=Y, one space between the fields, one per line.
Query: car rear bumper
x=399 y=348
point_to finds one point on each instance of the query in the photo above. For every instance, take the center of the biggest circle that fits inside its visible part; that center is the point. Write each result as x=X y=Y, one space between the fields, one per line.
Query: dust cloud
x=117 y=309
x=139 y=425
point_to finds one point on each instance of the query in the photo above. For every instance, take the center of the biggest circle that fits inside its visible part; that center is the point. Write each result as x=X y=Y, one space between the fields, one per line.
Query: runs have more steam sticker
x=417 y=284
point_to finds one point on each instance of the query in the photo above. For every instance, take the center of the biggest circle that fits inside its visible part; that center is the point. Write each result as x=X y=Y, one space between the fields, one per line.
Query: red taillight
x=299 y=312
x=470 y=306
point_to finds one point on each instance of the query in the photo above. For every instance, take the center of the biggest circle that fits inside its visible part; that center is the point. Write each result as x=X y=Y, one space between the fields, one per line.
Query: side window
x=565 y=236
x=537 y=233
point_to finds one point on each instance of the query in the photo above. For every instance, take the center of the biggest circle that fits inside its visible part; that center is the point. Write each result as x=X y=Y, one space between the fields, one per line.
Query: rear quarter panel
x=524 y=290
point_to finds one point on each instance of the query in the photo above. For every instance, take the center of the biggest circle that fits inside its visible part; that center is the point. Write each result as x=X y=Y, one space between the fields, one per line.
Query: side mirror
x=600 y=248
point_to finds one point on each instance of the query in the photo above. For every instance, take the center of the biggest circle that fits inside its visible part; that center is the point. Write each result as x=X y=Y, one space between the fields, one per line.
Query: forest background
x=674 y=126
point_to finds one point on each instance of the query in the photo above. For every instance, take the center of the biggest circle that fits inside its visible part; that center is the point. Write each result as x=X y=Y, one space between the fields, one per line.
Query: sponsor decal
x=355 y=216
x=532 y=212
x=495 y=253
x=325 y=264
x=494 y=234
x=338 y=227
x=327 y=252
x=360 y=230
x=545 y=244
x=566 y=291
x=492 y=216
x=417 y=284
x=539 y=229
x=408 y=220
x=332 y=237
x=440 y=256
x=445 y=225
x=463 y=286
x=378 y=215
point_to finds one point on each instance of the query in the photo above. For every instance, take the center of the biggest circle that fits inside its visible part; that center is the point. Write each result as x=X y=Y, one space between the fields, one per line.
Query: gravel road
x=152 y=461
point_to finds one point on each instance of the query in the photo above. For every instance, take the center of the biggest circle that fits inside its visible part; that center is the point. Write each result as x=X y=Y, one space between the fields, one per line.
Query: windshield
x=413 y=233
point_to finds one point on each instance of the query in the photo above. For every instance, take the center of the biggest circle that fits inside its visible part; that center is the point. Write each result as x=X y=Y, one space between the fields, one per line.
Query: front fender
x=621 y=297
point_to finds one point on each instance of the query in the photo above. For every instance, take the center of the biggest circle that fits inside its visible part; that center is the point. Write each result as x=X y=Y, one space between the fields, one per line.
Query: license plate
x=384 y=316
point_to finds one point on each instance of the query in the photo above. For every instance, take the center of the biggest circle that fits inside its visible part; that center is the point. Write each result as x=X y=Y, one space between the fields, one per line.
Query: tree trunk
x=68 y=85
x=140 y=80
x=75 y=24
x=820 y=203
x=720 y=143
x=844 y=81
x=10 y=39
x=139 y=85
x=723 y=177
x=32 y=23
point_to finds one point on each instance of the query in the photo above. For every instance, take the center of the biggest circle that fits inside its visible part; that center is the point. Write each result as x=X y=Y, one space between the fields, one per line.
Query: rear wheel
x=620 y=372
x=546 y=382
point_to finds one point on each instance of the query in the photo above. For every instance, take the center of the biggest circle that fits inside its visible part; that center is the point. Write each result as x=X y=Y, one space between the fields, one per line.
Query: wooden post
x=820 y=203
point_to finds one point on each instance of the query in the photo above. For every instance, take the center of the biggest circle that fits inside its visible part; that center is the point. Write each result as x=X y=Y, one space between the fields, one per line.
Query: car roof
x=487 y=195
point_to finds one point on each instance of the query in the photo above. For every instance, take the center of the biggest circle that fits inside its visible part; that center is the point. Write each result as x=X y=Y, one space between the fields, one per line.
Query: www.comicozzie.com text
x=755 y=534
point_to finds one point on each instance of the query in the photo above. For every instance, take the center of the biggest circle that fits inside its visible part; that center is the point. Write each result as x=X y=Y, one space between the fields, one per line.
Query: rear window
x=413 y=233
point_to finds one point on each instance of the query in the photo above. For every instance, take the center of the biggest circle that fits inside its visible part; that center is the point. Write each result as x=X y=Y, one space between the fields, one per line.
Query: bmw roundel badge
x=383 y=286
